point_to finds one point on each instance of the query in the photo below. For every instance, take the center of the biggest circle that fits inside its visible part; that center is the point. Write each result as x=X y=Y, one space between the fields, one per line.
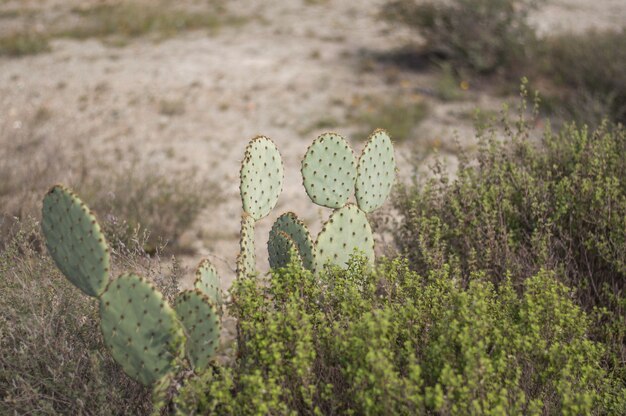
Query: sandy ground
x=290 y=64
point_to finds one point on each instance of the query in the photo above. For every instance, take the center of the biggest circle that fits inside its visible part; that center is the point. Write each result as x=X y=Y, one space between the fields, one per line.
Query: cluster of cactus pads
x=331 y=173
x=146 y=335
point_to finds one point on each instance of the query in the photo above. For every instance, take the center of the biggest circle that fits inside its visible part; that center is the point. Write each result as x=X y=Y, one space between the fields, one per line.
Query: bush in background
x=135 y=200
x=583 y=72
x=481 y=35
x=589 y=68
x=395 y=342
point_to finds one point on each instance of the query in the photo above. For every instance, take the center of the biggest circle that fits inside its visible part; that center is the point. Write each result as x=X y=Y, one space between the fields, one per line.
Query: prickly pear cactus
x=376 y=172
x=140 y=329
x=290 y=224
x=346 y=230
x=201 y=322
x=261 y=177
x=246 y=262
x=282 y=250
x=329 y=170
x=208 y=282
x=75 y=241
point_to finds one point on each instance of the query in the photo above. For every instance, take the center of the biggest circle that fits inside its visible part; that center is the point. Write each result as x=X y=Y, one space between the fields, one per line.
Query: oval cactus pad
x=75 y=241
x=346 y=230
x=281 y=250
x=140 y=328
x=261 y=177
x=201 y=322
x=329 y=170
x=208 y=282
x=290 y=224
x=376 y=172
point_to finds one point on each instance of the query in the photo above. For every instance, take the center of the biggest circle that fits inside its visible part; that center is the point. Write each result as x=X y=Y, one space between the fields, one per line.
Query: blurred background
x=145 y=107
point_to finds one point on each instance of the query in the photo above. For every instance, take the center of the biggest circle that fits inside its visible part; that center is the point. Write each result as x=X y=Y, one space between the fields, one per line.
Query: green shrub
x=481 y=35
x=394 y=342
x=52 y=356
x=557 y=204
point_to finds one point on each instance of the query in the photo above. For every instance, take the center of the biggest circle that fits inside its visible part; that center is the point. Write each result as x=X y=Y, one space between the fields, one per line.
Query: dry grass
x=52 y=357
x=171 y=107
x=24 y=43
x=399 y=116
x=589 y=70
x=130 y=19
x=137 y=198
x=116 y=22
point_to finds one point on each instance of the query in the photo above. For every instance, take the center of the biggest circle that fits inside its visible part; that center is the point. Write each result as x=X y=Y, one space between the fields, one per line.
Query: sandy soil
x=290 y=64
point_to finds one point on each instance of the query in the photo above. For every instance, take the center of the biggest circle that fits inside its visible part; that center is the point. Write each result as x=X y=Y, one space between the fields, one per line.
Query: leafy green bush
x=557 y=204
x=52 y=357
x=481 y=35
x=394 y=342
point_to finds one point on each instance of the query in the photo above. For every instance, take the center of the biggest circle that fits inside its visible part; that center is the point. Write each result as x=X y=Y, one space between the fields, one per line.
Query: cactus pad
x=376 y=172
x=346 y=230
x=261 y=177
x=75 y=241
x=200 y=320
x=140 y=328
x=208 y=282
x=329 y=170
x=298 y=232
x=282 y=249
x=246 y=262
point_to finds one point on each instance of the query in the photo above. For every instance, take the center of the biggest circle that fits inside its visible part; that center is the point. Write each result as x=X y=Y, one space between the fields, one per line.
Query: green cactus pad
x=140 y=328
x=208 y=282
x=261 y=177
x=246 y=262
x=346 y=230
x=281 y=250
x=329 y=170
x=201 y=322
x=75 y=241
x=376 y=172
x=299 y=233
